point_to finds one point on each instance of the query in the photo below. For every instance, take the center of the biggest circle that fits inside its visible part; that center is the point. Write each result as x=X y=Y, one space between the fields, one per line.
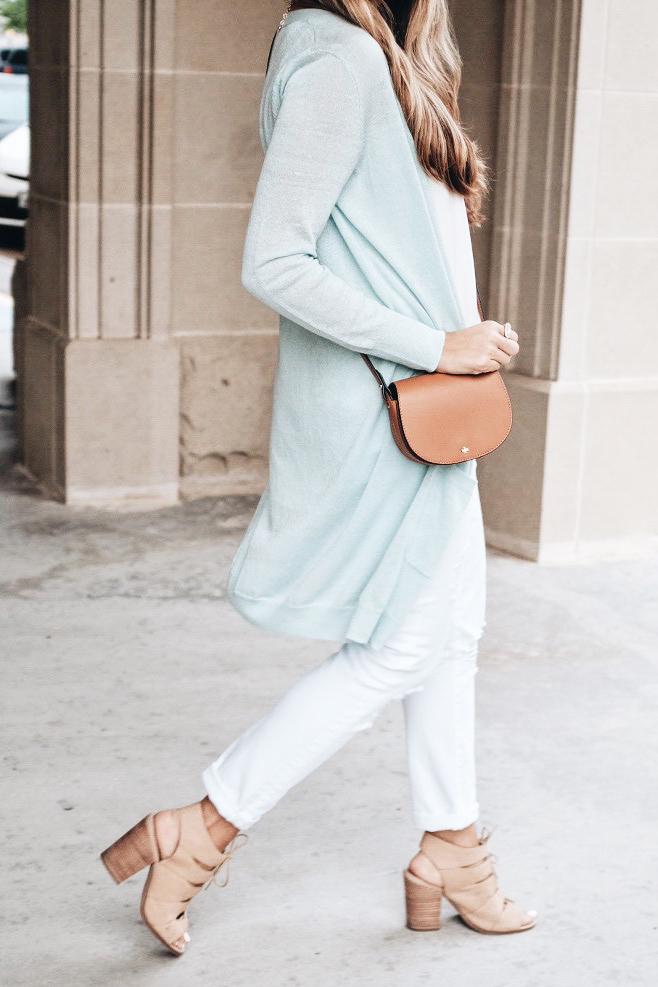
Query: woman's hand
x=478 y=349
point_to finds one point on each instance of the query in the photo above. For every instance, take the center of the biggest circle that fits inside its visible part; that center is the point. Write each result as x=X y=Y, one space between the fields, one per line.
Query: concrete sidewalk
x=125 y=671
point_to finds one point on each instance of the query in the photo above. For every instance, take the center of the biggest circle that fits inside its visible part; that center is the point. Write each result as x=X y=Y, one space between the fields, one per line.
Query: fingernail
x=532 y=913
x=186 y=936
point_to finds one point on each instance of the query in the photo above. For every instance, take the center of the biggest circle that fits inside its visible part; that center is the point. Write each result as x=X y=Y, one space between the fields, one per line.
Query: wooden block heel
x=131 y=852
x=423 y=904
x=172 y=881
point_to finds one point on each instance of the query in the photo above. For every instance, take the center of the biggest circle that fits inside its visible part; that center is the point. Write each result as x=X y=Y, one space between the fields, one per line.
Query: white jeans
x=430 y=663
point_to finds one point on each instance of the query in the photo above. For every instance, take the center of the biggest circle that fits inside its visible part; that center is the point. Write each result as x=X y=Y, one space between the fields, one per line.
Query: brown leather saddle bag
x=446 y=418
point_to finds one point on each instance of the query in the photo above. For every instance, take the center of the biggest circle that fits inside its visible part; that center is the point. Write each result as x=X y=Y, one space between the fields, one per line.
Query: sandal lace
x=228 y=852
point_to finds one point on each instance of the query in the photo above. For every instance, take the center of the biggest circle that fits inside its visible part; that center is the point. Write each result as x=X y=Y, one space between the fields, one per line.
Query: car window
x=19 y=57
x=14 y=100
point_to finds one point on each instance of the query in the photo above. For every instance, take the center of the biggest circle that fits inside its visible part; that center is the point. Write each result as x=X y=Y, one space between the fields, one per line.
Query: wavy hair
x=425 y=68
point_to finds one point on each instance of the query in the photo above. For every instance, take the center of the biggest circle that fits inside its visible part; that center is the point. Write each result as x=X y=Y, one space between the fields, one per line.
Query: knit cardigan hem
x=326 y=622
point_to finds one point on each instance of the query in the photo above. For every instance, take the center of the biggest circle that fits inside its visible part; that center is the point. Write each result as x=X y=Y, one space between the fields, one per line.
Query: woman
x=359 y=239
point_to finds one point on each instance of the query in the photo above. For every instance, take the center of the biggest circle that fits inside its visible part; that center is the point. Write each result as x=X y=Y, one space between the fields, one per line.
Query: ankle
x=421 y=866
x=467 y=837
x=220 y=830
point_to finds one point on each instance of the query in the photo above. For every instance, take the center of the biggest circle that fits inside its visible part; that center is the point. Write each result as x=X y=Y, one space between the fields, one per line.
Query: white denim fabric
x=430 y=663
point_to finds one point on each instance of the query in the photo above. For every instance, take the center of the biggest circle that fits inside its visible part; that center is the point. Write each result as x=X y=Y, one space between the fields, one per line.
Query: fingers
x=507 y=331
x=501 y=348
x=508 y=347
x=496 y=329
x=505 y=344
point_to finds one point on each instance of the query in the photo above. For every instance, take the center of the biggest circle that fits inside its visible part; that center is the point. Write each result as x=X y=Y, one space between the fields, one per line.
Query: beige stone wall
x=573 y=255
x=144 y=368
x=608 y=356
x=227 y=340
x=480 y=40
x=535 y=124
x=98 y=377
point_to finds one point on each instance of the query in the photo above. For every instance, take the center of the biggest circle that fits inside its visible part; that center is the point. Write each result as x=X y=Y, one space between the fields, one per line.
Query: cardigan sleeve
x=315 y=145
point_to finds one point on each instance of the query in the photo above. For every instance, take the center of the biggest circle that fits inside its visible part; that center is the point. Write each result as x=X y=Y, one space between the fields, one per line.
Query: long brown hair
x=425 y=70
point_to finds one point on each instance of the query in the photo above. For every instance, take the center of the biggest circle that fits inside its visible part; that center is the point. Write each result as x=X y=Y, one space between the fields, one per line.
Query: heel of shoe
x=131 y=852
x=423 y=904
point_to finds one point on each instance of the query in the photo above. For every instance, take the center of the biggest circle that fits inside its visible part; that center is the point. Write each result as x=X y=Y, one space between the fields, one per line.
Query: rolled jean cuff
x=223 y=803
x=454 y=820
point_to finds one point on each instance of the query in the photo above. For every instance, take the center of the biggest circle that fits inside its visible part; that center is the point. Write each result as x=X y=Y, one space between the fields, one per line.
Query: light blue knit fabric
x=342 y=242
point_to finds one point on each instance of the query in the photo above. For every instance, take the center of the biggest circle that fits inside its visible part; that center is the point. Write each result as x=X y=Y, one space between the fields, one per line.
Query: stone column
x=228 y=341
x=97 y=372
x=572 y=266
x=140 y=359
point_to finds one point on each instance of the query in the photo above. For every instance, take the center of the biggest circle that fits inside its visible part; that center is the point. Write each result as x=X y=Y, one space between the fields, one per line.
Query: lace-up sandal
x=468 y=881
x=172 y=881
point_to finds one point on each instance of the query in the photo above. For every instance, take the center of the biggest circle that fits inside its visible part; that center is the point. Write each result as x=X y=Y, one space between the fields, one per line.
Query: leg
x=453 y=861
x=440 y=719
x=315 y=718
x=312 y=721
x=339 y=697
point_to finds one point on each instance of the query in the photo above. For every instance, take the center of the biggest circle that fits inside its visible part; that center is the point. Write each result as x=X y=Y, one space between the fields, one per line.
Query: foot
x=462 y=868
x=421 y=865
x=167 y=833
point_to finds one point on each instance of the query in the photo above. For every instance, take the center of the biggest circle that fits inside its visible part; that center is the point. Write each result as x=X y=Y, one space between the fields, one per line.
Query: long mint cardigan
x=343 y=243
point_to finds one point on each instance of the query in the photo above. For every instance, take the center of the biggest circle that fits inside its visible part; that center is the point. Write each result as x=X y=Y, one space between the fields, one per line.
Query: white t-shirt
x=452 y=221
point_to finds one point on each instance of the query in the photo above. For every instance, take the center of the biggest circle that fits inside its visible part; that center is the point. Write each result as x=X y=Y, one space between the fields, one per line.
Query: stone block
x=88 y=152
x=575 y=308
x=630 y=53
x=226 y=399
x=121 y=147
x=620 y=471
x=592 y=47
x=561 y=487
x=511 y=478
x=625 y=204
x=225 y=163
x=123 y=33
x=584 y=163
x=224 y=36
x=622 y=300
x=41 y=388
x=49 y=133
x=206 y=263
x=575 y=480
x=121 y=422
x=163 y=139
x=47 y=257
x=120 y=270
x=85 y=320
x=160 y=284
x=479 y=37
x=49 y=30
x=89 y=35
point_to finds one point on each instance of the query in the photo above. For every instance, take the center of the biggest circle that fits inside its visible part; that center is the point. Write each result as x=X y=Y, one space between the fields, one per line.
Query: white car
x=14 y=176
x=15 y=166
